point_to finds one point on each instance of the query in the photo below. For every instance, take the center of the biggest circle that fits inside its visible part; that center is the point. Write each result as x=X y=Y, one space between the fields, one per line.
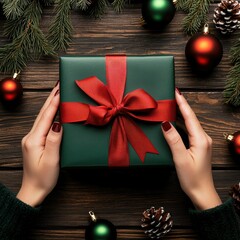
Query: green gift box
x=112 y=108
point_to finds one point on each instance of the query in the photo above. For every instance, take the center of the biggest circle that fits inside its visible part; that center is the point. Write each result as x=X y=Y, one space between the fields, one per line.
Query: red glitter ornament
x=234 y=143
x=204 y=51
x=11 y=90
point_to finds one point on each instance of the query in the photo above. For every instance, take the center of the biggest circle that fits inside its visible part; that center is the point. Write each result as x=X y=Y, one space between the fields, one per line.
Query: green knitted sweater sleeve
x=221 y=222
x=15 y=216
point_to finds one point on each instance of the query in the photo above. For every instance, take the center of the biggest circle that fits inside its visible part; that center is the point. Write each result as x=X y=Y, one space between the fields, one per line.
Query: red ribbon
x=121 y=109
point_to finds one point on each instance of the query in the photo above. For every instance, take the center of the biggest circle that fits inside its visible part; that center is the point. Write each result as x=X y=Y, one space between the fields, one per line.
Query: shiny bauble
x=11 y=90
x=158 y=13
x=234 y=144
x=100 y=229
x=203 y=52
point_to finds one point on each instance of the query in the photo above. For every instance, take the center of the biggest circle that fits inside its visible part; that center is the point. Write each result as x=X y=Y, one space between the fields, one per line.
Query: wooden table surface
x=120 y=196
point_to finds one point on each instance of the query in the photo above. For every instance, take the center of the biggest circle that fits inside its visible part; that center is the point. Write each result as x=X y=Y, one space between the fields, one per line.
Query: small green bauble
x=100 y=229
x=158 y=13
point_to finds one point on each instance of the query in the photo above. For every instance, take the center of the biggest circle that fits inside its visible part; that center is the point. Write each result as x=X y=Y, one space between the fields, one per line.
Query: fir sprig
x=197 y=15
x=14 y=8
x=98 y=8
x=81 y=4
x=184 y=5
x=235 y=51
x=28 y=42
x=60 y=32
x=232 y=89
x=118 y=5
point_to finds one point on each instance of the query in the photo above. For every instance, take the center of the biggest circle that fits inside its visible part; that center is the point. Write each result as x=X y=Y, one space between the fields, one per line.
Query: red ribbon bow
x=113 y=106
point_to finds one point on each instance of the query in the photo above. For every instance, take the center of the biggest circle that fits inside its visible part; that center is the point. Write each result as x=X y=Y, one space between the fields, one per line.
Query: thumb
x=174 y=141
x=53 y=141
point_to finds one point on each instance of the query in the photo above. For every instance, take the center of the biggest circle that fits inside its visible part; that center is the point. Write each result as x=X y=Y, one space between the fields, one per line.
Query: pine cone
x=227 y=16
x=235 y=194
x=156 y=222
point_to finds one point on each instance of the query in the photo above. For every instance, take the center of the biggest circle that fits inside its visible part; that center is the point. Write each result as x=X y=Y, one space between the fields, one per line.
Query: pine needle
x=28 y=41
x=184 y=5
x=232 y=89
x=197 y=16
x=14 y=8
x=82 y=4
x=60 y=31
x=118 y=5
x=235 y=51
x=98 y=8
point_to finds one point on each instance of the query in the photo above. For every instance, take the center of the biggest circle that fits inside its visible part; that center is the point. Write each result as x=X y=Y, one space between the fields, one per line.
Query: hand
x=193 y=165
x=40 y=149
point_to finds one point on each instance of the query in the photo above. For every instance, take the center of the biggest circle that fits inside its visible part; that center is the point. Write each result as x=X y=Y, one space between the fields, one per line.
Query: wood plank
x=118 y=195
x=123 y=33
x=216 y=118
x=123 y=234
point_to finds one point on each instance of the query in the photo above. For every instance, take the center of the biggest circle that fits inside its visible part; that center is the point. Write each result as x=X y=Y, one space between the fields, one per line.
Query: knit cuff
x=220 y=223
x=15 y=216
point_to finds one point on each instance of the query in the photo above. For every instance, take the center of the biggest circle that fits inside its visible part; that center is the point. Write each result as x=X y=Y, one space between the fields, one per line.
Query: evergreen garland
x=232 y=88
x=28 y=42
x=60 y=32
x=197 y=14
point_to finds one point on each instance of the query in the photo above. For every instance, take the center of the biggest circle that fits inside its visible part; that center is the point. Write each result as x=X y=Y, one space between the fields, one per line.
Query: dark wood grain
x=119 y=195
x=216 y=118
x=123 y=234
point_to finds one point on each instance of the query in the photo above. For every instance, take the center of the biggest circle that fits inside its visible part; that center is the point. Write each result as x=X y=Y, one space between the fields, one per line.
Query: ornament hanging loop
x=206 y=28
x=92 y=215
x=15 y=75
x=228 y=137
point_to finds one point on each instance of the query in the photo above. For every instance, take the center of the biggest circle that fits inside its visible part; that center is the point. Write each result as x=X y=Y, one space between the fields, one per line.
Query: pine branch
x=60 y=32
x=232 y=89
x=98 y=8
x=28 y=43
x=82 y=4
x=196 y=17
x=14 y=27
x=14 y=8
x=118 y=5
x=184 y=5
x=235 y=51
x=15 y=55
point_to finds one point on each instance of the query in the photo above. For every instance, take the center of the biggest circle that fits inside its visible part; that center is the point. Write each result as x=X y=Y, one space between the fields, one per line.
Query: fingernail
x=56 y=83
x=166 y=126
x=56 y=127
x=178 y=91
x=56 y=93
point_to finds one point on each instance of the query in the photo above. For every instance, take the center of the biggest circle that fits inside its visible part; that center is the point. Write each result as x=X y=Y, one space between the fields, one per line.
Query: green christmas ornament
x=158 y=13
x=100 y=229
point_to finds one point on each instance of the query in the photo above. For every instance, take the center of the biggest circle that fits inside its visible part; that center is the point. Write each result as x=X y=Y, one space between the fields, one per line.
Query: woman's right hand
x=40 y=149
x=193 y=165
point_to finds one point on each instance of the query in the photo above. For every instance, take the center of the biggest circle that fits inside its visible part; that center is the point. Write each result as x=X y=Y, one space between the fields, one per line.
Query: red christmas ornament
x=204 y=51
x=11 y=90
x=234 y=143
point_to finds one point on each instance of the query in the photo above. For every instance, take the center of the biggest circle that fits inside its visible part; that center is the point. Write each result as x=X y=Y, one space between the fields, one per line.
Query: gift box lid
x=87 y=145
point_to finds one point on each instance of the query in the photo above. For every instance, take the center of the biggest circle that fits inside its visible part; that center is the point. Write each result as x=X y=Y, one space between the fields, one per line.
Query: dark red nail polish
x=178 y=91
x=56 y=127
x=56 y=93
x=56 y=83
x=166 y=126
